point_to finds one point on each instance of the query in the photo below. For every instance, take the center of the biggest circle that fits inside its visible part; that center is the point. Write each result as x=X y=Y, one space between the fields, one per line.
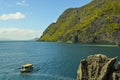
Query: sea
x=51 y=60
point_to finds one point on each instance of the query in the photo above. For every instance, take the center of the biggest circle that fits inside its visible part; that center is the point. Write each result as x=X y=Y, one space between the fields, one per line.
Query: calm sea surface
x=52 y=61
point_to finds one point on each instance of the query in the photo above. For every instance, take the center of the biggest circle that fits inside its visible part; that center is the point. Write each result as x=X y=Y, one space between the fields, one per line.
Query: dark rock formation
x=98 y=67
x=116 y=74
x=116 y=37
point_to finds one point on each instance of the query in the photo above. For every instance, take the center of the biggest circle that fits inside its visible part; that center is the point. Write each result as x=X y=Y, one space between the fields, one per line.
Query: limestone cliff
x=98 y=67
x=98 y=21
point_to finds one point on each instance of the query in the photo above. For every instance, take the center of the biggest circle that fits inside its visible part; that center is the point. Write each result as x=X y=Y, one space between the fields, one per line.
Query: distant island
x=98 y=21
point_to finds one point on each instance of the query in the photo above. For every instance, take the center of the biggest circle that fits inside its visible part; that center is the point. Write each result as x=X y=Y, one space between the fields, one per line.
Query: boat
x=26 y=68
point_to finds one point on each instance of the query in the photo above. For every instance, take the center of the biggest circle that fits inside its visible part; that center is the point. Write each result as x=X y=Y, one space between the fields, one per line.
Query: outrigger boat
x=26 y=68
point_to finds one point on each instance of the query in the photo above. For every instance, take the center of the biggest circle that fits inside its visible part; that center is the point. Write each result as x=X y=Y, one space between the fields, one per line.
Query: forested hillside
x=98 y=21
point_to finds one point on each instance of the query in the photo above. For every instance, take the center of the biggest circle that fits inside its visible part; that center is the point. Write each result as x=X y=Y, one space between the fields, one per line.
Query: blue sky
x=27 y=19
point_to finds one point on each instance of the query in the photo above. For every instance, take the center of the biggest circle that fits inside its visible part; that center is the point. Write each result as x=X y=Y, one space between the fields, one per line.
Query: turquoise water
x=53 y=61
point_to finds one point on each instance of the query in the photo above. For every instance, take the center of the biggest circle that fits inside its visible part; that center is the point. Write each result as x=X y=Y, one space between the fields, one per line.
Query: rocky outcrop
x=116 y=74
x=98 y=67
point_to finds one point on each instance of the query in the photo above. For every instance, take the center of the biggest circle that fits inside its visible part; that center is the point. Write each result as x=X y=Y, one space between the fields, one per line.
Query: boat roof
x=27 y=65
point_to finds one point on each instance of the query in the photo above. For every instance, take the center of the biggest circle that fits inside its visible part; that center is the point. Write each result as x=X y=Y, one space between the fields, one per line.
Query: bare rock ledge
x=98 y=67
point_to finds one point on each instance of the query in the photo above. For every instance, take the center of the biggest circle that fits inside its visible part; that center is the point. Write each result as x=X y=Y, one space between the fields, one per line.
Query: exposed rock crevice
x=98 y=67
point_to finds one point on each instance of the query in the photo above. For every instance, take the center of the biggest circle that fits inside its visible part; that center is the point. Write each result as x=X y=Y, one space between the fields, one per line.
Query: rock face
x=98 y=67
x=116 y=74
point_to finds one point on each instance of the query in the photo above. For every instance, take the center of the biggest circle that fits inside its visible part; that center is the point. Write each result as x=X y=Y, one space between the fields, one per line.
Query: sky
x=27 y=19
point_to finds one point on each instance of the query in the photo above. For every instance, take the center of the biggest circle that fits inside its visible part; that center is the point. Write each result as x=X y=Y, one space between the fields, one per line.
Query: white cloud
x=22 y=3
x=15 y=16
x=19 y=34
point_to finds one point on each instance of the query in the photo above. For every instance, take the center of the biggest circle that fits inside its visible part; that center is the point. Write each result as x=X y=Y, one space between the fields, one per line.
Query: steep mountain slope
x=98 y=21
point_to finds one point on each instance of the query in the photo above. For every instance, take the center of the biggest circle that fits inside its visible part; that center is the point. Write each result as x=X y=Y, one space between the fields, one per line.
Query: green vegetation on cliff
x=98 y=21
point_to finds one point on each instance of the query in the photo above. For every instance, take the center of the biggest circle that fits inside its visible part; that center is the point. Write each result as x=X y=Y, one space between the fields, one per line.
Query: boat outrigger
x=26 y=68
